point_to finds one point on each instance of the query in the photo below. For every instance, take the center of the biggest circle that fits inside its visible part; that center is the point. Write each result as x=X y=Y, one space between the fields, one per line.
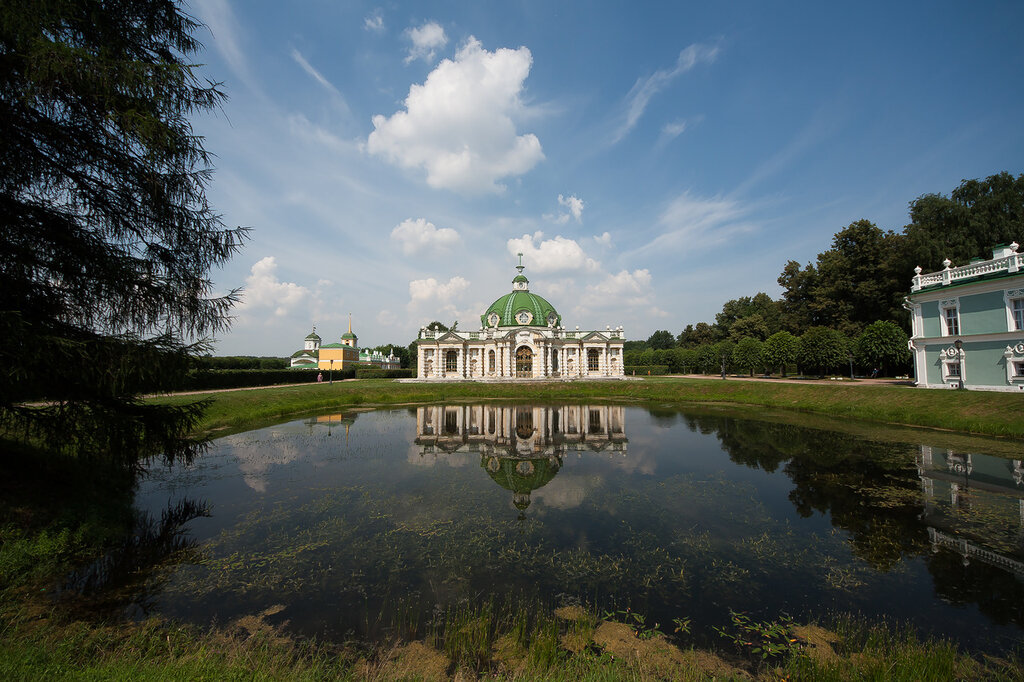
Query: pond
x=369 y=524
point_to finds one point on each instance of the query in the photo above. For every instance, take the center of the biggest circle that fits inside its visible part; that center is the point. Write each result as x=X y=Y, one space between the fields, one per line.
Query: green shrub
x=375 y=373
x=644 y=370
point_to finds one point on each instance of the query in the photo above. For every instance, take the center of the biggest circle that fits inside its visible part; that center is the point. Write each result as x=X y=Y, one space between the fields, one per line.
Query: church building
x=342 y=355
x=521 y=337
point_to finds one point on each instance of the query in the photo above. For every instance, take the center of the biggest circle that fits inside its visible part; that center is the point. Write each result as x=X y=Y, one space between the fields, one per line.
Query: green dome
x=521 y=476
x=348 y=335
x=506 y=311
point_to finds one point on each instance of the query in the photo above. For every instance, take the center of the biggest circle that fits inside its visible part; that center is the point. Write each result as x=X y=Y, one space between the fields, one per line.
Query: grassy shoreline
x=968 y=412
x=45 y=638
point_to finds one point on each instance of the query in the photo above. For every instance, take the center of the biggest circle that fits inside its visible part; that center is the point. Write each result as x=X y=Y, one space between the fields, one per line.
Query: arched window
x=524 y=362
x=451 y=361
x=490 y=361
x=593 y=358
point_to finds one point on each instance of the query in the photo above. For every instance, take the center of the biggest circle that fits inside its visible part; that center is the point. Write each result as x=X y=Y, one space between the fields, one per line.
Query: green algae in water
x=376 y=524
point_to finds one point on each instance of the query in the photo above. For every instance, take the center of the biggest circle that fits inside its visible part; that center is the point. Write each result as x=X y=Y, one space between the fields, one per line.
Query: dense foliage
x=855 y=289
x=106 y=235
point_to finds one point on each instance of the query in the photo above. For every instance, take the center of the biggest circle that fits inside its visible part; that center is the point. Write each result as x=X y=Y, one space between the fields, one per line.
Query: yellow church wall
x=343 y=357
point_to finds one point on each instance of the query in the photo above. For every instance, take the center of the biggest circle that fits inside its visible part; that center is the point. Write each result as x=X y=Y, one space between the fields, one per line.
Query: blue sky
x=651 y=160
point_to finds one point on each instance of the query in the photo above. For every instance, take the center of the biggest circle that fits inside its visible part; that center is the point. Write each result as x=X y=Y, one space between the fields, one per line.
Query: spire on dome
x=520 y=266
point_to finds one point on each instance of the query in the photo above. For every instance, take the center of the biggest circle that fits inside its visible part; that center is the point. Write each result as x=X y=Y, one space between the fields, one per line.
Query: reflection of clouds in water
x=455 y=460
x=566 y=491
x=640 y=457
x=256 y=456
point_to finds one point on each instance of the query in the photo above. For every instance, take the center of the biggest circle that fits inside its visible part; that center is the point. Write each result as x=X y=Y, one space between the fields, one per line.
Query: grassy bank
x=476 y=642
x=973 y=412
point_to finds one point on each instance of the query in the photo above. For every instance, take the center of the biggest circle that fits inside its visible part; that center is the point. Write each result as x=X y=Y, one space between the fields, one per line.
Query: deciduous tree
x=883 y=345
x=822 y=350
x=779 y=350
x=747 y=354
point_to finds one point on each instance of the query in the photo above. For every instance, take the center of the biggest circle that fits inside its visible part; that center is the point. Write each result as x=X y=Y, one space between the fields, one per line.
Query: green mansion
x=968 y=323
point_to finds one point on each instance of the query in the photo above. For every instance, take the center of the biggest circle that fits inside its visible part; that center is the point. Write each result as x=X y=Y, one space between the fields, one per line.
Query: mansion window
x=952 y=321
x=1017 y=311
x=1018 y=369
x=952 y=369
x=490 y=361
x=451 y=361
x=592 y=360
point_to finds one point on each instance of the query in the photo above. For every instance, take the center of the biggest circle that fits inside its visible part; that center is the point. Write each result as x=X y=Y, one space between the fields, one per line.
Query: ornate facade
x=520 y=337
x=968 y=324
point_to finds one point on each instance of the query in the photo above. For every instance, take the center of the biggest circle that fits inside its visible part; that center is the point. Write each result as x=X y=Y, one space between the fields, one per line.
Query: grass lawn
x=969 y=412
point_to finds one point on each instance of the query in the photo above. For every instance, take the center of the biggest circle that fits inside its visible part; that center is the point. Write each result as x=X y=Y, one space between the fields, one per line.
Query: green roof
x=348 y=335
x=312 y=337
x=509 y=305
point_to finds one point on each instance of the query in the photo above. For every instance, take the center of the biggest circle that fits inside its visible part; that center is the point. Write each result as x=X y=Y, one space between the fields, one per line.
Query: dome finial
x=520 y=266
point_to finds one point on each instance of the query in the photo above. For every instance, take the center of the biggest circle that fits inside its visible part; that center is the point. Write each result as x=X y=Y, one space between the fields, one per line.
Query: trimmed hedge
x=644 y=370
x=202 y=380
x=374 y=373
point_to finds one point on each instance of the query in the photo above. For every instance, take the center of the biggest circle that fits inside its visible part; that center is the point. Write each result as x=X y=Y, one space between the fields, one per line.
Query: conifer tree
x=106 y=236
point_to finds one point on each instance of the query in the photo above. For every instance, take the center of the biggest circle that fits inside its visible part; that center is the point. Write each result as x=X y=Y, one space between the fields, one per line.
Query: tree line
x=846 y=306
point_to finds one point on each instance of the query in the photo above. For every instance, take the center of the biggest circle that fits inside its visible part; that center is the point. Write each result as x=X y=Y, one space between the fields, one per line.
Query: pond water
x=345 y=525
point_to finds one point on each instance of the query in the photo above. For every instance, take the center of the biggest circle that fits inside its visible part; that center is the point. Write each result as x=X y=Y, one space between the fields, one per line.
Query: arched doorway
x=524 y=362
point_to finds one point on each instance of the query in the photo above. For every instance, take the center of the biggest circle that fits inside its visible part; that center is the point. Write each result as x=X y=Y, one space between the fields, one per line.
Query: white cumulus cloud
x=421 y=235
x=551 y=255
x=574 y=204
x=264 y=290
x=430 y=290
x=426 y=41
x=458 y=125
x=623 y=291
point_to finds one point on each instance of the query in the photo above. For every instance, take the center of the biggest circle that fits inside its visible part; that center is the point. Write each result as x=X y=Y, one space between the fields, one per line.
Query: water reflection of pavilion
x=517 y=431
x=520 y=447
x=965 y=498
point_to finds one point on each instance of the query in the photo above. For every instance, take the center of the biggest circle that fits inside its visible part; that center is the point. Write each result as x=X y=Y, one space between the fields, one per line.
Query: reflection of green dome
x=521 y=476
x=507 y=310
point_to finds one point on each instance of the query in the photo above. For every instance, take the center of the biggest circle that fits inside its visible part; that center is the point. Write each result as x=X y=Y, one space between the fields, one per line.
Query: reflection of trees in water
x=870 y=490
x=122 y=574
x=999 y=594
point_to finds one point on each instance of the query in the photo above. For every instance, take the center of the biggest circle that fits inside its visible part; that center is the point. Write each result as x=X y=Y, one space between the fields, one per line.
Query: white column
x=547 y=360
x=438 y=361
x=460 y=362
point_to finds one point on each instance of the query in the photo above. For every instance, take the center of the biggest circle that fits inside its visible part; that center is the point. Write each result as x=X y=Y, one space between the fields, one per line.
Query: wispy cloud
x=374 y=22
x=317 y=76
x=219 y=17
x=690 y=224
x=646 y=88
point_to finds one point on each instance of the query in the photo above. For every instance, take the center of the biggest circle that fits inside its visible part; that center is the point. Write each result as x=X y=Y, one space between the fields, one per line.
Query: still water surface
x=345 y=524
